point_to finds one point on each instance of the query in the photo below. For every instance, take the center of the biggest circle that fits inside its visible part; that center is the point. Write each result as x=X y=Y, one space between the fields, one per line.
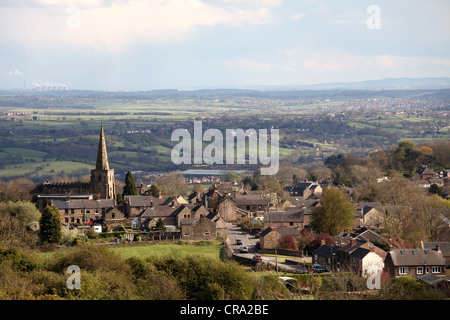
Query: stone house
x=112 y=219
x=133 y=205
x=82 y=211
x=252 y=204
x=221 y=225
x=227 y=209
x=150 y=216
x=198 y=211
x=347 y=257
x=304 y=190
x=371 y=216
x=414 y=262
x=283 y=219
x=198 y=229
x=270 y=238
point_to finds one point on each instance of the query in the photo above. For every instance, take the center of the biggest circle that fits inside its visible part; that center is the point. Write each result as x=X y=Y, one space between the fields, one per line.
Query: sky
x=193 y=44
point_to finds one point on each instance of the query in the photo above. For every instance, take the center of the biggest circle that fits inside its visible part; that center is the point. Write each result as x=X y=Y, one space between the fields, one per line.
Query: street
x=248 y=240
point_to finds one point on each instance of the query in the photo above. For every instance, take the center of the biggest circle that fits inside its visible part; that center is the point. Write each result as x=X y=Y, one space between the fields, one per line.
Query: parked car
x=257 y=257
x=243 y=249
x=239 y=241
x=317 y=268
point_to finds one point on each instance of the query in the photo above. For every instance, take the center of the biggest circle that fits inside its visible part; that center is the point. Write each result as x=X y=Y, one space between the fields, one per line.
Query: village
x=254 y=225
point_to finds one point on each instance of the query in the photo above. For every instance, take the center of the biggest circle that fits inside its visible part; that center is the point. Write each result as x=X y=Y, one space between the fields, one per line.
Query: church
x=100 y=186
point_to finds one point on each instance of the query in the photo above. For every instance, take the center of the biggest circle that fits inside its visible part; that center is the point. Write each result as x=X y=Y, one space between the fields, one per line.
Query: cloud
x=249 y=64
x=256 y=3
x=297 y=16
x=119 y=24
x=15 y=73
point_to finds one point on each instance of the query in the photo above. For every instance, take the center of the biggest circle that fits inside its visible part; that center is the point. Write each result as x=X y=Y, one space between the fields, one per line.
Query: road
x=235 y=232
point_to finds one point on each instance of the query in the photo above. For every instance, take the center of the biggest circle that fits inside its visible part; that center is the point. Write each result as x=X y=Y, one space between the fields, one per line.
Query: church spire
x=102 y=156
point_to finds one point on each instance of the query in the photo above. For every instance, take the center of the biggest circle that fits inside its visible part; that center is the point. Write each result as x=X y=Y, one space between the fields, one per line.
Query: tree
x=50 y=225
x=287 y=242
x=130 y=187
x=160 y=224
x=154 y=190
x=335 y=214
x=435 y=189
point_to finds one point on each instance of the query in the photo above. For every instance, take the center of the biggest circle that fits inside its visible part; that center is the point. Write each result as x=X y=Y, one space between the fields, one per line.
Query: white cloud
x=249 y=65
x=15 y=73
x=297 y=16
x=256 y=3
x=118 y=25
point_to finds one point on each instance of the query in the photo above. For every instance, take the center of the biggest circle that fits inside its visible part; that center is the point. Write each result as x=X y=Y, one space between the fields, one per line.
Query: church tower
x=102 y=177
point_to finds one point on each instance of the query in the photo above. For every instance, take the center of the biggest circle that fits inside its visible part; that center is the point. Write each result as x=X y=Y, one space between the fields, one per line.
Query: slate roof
x=84 y=204
x=445 y=247
x=416 y=257
x=283 y=216
x=158 y=211
x=143 y=201
x=325 y=250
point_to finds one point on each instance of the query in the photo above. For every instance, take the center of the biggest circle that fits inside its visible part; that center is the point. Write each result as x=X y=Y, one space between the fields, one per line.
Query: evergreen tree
x=335 y=214
x=50 y=225
x=130 y=186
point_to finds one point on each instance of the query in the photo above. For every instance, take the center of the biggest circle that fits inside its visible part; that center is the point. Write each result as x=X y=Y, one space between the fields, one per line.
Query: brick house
x=414 y=262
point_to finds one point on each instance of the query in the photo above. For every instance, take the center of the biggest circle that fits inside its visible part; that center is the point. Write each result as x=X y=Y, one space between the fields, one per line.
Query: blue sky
x=189 y=44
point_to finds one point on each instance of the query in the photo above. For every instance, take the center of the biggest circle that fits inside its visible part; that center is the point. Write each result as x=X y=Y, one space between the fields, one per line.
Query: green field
x=142 y=251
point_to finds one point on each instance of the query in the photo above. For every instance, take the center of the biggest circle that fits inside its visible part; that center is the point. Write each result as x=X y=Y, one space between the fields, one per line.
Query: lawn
x=142 y=251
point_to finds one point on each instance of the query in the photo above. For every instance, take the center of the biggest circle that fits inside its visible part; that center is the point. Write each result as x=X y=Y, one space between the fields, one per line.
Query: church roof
x=102 y=155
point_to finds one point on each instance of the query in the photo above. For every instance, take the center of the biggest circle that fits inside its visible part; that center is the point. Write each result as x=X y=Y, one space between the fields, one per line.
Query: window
x=419 y=270
x=435 y=269
x=186 y=234
x=403 y=270
x=206 y=234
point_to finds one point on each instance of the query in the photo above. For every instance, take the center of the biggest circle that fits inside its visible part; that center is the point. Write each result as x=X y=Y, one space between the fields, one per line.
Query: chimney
x=322 y=241
x=352 y=241
x=160 y=195
x=67 y=197
x=151 y=204
x=438 y=247
x=98 y=196
x=273 y=229
x=372 y=248
x=173 y=204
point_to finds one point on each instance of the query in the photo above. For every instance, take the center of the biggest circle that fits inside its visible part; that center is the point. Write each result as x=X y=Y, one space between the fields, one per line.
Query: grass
x=212 y=251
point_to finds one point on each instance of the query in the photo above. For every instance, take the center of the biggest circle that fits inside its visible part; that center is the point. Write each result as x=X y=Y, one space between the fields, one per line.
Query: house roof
x=143 y=201
x=283 y=216
x=415 y=257
x=325 y=250
x=432 y=279
x=445 y=247
x=247 y=202
x=84 y=204
x=158 y=211
x=286 y=231
x=359 y=253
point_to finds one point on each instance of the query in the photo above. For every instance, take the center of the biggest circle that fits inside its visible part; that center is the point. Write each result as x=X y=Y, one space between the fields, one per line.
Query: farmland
x=48 y=135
